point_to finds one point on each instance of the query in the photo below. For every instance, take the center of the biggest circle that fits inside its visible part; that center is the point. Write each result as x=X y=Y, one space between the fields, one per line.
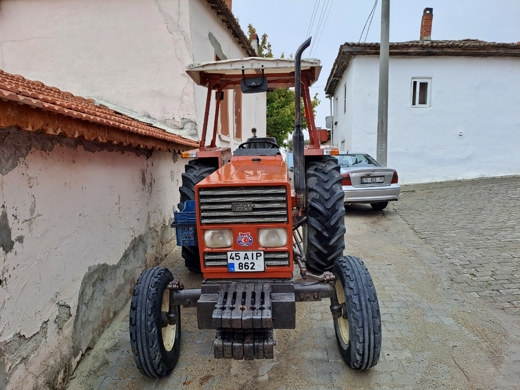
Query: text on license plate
x=373 y=179
x=246 y=261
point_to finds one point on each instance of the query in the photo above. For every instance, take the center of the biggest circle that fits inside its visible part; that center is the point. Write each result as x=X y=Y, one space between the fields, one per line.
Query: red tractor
x=244 y=228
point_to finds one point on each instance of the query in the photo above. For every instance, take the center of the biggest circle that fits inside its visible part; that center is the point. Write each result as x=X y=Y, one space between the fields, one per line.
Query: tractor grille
x=240 y=205
x=270 y=258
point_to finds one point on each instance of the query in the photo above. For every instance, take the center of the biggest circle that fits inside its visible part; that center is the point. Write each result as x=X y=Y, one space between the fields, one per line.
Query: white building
x=87 y=194
x=132 y=57
x=453 y=108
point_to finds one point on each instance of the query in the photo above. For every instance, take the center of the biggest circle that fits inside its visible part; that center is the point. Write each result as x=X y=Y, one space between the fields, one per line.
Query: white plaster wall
x=75 y=210
x=255 y=115
x=253 y=106
x=130 y=53
x=470 y=130
x=363 y=105
x=343 y=118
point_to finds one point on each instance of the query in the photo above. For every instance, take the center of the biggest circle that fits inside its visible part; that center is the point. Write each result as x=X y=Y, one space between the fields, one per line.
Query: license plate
x=372 y=179
x=246 y=261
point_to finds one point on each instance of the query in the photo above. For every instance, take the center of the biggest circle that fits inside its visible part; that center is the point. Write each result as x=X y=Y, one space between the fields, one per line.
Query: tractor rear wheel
x=195 y=171
x=156 y=343
x=324 y=232
x=358 y=327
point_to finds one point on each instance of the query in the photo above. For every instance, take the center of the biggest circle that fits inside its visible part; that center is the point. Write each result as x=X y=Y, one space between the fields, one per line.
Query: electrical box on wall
x=328 y=122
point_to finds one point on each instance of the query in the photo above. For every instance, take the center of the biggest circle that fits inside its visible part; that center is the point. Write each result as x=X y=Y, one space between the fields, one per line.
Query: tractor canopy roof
x=228 y=74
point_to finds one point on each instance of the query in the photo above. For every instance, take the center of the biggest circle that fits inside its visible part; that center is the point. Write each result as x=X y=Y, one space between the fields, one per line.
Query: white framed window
x=421 y=92
x=345 y=98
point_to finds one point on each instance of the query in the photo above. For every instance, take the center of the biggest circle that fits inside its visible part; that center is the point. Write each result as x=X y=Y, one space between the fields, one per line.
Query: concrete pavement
x=443 y=326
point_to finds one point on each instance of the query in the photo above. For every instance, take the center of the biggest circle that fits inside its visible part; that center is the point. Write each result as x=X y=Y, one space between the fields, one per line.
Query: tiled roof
x=35 y=94
x=465 y=47
x=224 y=13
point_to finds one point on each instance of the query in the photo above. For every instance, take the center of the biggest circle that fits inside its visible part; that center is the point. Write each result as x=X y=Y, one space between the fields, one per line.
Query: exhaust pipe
x=299 y=159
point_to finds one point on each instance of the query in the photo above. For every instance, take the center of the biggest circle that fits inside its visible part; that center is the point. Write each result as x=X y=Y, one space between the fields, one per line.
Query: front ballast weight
x=245 y=314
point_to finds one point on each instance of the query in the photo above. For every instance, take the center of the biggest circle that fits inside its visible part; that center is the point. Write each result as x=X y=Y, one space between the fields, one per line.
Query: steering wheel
x=271 y=144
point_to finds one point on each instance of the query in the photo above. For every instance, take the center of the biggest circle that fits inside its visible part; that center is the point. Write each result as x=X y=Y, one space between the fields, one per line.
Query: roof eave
x=26 y=118
x=227 y=17
x=465 y=48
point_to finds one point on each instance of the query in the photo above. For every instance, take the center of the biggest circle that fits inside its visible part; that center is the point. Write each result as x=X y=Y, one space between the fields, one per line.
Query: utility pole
x=382 y=109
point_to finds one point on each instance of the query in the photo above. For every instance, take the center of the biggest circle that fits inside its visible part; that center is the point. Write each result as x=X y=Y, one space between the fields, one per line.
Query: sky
x=289 y=22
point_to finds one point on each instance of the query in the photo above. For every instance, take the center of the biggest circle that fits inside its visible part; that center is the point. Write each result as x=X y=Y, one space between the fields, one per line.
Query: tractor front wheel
x=156 y=342
x=324 y=234
x=358 y=325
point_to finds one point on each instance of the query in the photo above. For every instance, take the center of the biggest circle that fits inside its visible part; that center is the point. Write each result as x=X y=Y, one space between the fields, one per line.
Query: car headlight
x=218 y=238
x=270 y=238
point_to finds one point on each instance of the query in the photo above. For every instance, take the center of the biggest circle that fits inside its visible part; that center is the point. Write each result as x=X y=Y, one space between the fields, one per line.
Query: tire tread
x=195 y=171
x=364 y=317
x=325 y=214
x=145 y=313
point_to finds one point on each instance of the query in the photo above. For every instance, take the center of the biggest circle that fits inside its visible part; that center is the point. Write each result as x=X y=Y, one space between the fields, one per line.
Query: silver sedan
x=366 y=181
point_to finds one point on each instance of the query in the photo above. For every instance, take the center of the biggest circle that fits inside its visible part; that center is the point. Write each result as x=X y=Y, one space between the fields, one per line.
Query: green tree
x=289 y=144
x=280 y=101
x=264 y=47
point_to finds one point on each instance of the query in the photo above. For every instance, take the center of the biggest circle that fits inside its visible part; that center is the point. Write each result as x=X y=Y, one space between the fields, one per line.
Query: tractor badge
x=244 y=239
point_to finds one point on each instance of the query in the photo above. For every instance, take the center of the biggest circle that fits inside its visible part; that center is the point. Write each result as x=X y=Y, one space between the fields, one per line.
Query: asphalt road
x=444 y=260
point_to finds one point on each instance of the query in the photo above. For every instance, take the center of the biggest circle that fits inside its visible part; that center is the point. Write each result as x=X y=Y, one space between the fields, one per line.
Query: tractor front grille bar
x=241 y=205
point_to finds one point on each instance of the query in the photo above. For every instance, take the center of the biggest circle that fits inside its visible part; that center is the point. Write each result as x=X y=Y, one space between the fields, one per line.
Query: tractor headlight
x=270 y=238
x=218 y=238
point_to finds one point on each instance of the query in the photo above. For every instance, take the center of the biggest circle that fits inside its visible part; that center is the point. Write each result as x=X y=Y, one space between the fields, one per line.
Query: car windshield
x=354 y=160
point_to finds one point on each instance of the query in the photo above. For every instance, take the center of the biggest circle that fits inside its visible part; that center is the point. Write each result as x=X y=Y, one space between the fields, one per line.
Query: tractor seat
x=258 y=146
x=260 y=143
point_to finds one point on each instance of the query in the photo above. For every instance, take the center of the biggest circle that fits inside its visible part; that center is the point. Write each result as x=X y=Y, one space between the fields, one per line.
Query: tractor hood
x=249 y=170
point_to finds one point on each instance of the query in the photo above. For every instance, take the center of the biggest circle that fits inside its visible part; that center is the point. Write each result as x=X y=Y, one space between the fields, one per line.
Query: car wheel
x=379 y=205
x=324 y=233
x=156 y=344
x=358 y=326
x=195 y=171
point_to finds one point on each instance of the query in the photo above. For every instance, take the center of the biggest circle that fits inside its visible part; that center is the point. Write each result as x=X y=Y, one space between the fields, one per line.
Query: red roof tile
x=35 y=94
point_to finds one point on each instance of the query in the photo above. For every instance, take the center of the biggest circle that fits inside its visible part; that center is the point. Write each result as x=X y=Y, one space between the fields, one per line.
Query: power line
x=370 y=16
x=311 y=23
x=323 y=28
x=319 y=26
x=369 y=24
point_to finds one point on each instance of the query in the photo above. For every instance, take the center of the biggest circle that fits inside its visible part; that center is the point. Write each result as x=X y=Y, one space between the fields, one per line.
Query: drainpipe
x=331 y=121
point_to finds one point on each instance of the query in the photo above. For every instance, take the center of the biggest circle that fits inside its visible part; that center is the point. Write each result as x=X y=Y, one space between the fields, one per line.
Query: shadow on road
x=365 y=210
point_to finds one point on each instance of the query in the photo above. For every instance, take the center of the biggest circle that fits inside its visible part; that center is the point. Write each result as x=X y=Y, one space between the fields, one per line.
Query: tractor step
x=243 y=306
x=245 y=344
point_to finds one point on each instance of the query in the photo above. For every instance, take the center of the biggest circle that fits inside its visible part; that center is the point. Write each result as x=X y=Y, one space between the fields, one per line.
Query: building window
x=421 y=91
x=344 y=98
